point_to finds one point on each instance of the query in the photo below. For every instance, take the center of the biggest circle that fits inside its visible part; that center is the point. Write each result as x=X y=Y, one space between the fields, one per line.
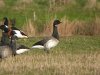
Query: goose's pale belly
x=51 y=43
x=21 y=51
x=38 y=46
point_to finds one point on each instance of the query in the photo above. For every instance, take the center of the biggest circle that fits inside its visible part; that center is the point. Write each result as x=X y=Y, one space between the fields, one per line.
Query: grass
x=75 y=55
x=40 y=13
x=78 y=55
x=24 y=9
x=44 y=13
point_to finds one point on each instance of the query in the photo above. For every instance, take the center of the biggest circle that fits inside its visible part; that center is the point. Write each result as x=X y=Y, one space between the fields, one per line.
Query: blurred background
x=35 y=17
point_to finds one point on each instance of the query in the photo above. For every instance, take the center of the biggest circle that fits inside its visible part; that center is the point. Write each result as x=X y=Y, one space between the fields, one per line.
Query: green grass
x=43 y=13
x=75 y=55
x=78 y=55
x=72 y=44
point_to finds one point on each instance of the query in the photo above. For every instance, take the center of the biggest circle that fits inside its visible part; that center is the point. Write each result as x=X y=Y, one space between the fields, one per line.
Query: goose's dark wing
x=41 y=42
x=23 y=47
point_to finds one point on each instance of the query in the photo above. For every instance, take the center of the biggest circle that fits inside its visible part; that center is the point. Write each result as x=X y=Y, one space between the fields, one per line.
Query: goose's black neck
x=13 y=45
x=55 y=32
x=6 y=22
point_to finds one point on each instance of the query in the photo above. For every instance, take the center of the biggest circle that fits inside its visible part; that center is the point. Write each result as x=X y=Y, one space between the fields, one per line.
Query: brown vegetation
x=91 y=4
x=59 y=64
x=67 y=28
x=29 y=28
x=2 y=4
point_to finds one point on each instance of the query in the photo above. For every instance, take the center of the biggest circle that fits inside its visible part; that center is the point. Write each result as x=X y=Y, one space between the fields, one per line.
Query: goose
x=5 y=21
x=12 y=49
x=6 y=29
x=19 y=33
x=6 y=51
x=48 y=43
x=17 y=50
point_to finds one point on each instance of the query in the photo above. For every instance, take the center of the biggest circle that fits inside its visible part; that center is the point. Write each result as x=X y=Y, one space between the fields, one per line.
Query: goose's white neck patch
x=38 y=46
x=19 y=35
x=6 y=26
x=20 y=51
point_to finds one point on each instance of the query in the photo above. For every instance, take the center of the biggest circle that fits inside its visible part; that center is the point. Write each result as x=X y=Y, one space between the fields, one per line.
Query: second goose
x=12 y=48
x=48 y=43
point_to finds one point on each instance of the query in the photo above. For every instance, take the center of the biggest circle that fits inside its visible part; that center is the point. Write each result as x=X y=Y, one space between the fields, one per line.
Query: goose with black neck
x=50 y=42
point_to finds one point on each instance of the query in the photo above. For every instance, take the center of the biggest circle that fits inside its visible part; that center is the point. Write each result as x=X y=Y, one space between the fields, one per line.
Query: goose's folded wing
x=41 y=42
x=22 y=47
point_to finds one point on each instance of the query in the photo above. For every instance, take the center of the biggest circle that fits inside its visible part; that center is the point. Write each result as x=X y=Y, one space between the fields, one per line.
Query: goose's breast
x=51 y=43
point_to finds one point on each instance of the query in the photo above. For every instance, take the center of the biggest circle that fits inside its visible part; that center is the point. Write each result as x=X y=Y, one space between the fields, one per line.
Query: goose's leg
x=13 y=54
x=47 y=50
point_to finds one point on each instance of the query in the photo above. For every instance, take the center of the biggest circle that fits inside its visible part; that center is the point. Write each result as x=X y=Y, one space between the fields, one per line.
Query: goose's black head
x=56 y=22
x=4 y=28
x=5 y=21
x=5 y=18
x=5 y=25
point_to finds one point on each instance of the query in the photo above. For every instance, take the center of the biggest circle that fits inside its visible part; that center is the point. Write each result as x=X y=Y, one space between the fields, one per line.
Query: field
x=75 y=55
x=78 y=52
x=36 y=16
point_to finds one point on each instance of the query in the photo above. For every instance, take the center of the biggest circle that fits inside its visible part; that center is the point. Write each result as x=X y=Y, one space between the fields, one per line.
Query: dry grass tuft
x=2 y=4
x=97 y=26
x=48 y=28
x=91 y=4
x=66 y=28
x=29 y=28
x=76 y=27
